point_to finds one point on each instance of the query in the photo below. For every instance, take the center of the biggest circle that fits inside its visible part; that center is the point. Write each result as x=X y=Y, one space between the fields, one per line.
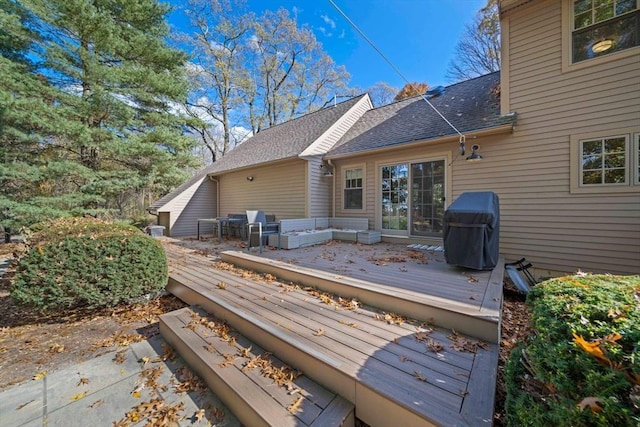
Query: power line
x=364 y=36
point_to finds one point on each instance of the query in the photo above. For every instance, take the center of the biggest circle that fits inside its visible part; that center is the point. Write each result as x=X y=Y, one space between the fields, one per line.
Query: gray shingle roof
x=282 y=141
x=279 y=142
x=471 y=105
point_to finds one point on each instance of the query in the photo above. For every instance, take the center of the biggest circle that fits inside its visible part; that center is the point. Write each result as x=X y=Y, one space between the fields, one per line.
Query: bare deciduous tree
x=478 y=51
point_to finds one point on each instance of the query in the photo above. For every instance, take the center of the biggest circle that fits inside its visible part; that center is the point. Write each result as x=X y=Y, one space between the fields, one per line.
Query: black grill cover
x=471 y=231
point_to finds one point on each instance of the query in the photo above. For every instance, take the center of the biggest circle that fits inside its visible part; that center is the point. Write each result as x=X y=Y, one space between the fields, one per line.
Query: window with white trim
x=601 y=27
x=353 y=188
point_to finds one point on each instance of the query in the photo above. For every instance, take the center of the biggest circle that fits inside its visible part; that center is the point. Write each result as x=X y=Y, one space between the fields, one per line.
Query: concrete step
x=258 y=388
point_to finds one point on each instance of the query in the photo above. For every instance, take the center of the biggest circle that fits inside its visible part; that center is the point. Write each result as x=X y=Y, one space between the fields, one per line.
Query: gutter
x=508 y=128
x=333 y=189
x=217 y=193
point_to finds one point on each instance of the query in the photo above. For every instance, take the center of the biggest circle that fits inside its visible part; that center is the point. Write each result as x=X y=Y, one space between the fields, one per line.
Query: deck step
x=383 y=368
x=460 y=316
x=231 y=366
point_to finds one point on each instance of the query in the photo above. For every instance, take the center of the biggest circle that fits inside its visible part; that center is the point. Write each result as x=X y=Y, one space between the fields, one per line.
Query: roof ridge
x=314 y=112
x=415 y=97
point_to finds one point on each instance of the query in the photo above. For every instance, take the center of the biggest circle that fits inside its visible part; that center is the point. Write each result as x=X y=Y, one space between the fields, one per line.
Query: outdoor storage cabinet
x=471 y=231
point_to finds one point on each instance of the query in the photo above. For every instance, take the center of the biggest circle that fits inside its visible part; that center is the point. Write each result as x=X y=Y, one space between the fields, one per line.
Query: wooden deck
x=407 y=373
x=419 y=284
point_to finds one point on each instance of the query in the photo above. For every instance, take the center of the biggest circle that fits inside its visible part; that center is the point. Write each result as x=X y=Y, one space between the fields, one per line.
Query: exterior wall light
x=474 y=156
x=250 y=178
x=327 y=170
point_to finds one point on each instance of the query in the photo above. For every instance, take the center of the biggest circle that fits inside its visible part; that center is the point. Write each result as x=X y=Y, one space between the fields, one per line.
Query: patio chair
x=258 y=225
x=238 y=225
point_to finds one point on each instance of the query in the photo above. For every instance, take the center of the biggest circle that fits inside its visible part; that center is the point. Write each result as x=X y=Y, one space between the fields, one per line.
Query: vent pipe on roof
x=435 y=92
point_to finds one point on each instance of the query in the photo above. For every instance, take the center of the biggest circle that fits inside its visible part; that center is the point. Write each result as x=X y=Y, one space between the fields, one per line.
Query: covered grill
x=471 y=231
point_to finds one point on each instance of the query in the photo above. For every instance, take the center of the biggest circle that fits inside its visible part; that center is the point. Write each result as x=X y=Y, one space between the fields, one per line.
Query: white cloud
x=194 y=70
x=330 y=22
x=342 y=34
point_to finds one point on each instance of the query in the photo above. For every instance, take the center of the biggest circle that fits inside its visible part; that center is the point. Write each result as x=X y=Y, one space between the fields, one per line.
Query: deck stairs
x=345 y=358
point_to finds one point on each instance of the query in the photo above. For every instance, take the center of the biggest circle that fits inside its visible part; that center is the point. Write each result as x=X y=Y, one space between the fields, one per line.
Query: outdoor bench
x=300 y=232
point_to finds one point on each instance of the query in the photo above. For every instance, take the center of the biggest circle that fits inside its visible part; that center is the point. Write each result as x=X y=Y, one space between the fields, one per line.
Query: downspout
x=333 y=189
x=217 y=194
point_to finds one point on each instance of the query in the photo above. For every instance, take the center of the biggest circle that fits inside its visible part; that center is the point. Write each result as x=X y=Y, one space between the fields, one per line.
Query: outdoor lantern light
x=602 y=46
x=249 y=178
x=474 y=156
x=327 y=170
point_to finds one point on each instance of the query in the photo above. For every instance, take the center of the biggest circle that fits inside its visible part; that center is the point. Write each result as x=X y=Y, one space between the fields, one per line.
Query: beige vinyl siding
x=541 y=219
x=277 y=188
x=371 y=164
x=319 y=194
x=198 y=201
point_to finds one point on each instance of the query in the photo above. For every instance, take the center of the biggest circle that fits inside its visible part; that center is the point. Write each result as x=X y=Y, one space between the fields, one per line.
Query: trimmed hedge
x=582 y=367
x=86 y=262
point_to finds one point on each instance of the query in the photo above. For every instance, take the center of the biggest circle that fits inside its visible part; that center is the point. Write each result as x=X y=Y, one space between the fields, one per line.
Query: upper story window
x=353 y=188
x=601 y=27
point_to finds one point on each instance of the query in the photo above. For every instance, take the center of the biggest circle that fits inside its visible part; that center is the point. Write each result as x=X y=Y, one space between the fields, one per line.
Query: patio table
x=218 y=222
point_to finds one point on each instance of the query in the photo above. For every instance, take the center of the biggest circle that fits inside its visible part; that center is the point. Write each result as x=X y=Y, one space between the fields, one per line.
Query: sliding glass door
x=395 y=193
x=413 y=198
x=427 y=198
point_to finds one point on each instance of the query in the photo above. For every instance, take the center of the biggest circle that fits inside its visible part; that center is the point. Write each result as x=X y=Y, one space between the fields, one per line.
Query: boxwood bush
x=86 y=262
x=581 y=367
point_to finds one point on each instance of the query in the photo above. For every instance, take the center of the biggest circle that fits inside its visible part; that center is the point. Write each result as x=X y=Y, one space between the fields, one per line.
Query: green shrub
x=62 y=228
x=86 y=262
x=586 y=345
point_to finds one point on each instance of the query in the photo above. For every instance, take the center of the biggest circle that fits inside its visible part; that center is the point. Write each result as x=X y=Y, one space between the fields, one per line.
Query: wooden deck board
x=364 y=316
x=462 y=316
x=265 y=397
x=384 y=357
x=435 y=278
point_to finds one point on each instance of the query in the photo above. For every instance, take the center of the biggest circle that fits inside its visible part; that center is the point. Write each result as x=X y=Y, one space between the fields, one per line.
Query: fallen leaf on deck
x=319 y=332
x=351 y=324
x=295 y=406
x=78 y=396
x=199 y=415
x=245 y=352
x=96 y=404
x=83 y=381
x=419 y=376
x=422 y=336
x=460 y=343
x=434 y=345
x=39 y=375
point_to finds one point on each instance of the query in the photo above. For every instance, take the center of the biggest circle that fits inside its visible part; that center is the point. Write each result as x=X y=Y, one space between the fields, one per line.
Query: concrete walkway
x=99 y=392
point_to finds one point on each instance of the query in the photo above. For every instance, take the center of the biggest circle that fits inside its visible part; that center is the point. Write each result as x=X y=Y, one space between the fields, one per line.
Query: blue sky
x=418 y=36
